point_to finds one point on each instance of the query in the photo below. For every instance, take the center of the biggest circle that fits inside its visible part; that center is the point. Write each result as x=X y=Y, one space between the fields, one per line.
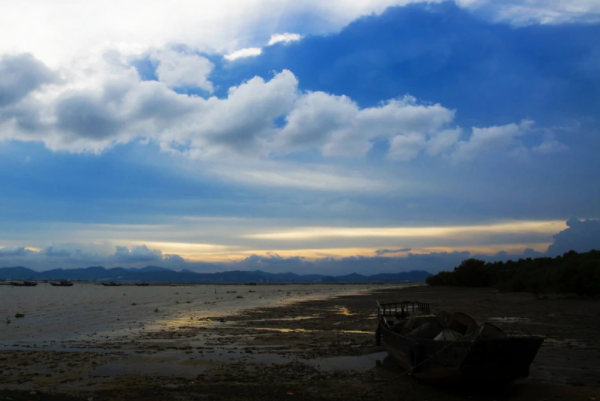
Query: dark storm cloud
x=86 y=116
x=74 y=257
x=173 y=259
x=137 y=254
x=380 y=252
x=15 y=251
x=432 y=262
x=26 y=116
x=19 y=75
x=56 y=252
x=581 y=236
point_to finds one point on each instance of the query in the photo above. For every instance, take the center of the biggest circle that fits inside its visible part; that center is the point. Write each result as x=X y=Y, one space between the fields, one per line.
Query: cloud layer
x=526 y=12
x=56 y=32
x=111 y=104
x=581 y=236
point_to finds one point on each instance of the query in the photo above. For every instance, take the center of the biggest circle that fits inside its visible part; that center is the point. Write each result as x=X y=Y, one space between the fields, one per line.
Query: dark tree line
x=575 y=273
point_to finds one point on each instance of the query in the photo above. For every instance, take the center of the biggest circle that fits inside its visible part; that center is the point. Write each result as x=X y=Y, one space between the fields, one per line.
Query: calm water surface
x=70 y=313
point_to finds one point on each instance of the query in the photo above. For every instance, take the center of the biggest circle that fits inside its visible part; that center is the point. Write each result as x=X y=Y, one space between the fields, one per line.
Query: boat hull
x=491 y=361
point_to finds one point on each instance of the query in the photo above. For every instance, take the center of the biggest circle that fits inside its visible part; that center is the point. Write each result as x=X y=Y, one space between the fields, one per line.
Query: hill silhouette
x=154 y=274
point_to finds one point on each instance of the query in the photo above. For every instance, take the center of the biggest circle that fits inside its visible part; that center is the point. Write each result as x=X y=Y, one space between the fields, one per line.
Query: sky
x=316 y=137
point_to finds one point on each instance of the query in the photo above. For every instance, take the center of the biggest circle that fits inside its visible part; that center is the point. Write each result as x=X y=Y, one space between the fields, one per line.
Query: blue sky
x=312 y=136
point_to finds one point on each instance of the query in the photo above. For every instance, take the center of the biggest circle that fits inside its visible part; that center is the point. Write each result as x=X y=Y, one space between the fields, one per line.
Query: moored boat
x=62 y=283
x=24 y=283
x=111 y=284
x=446 y=348
x=143 y=284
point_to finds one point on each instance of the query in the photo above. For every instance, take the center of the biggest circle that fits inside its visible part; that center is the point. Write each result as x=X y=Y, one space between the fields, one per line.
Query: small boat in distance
x=452 y=348
x=143 y=284
x=24 y=284
x=111 y=284
x=62 y=283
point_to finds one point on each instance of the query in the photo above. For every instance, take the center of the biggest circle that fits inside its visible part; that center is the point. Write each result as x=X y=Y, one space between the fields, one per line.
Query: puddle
x=511 y=319
x=274 y=319
x=247 y=357
x=173 y=364
x=151 y=368
x=360 y=363
x=61 y=348
x=177 y=364
x=569 y=342
x=280 y=330
x=342 y=310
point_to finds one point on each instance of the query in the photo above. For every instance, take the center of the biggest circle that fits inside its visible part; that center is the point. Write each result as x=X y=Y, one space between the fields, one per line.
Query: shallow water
x=95 y=312
x=182 y=365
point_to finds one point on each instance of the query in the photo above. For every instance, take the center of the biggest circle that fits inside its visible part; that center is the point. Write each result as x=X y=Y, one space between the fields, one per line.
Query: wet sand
x=296 y=342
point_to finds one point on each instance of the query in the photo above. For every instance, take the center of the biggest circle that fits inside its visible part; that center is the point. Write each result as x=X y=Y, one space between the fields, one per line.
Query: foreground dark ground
x=311 y=350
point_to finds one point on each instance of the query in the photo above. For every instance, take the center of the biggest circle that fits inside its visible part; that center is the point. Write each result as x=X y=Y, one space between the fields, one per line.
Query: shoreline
x=314 y=348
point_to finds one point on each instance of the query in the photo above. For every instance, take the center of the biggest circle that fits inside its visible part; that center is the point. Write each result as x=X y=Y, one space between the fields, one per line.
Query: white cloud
x=284 y=37
x=513 y=227
x=406 y=147
x=549 y=145
x=56 y=32
x=243 y=53
x=287 y=175
x=339 y=127
x=484 y=139
x=21 y=74
x=111 y=104
x=179 y=70
x=257 y=51
x=101 y=101
x=139 y=253
x=11 y=251
x=443 y=141
x=526 y=12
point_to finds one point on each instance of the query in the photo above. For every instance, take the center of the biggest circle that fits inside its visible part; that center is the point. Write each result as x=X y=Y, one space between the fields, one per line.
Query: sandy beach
x=265 y=342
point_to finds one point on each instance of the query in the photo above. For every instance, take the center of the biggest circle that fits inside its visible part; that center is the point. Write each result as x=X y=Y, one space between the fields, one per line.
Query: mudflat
x=279 y=342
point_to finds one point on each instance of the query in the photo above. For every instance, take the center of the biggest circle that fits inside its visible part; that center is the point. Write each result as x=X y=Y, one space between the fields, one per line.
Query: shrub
x=577 y=273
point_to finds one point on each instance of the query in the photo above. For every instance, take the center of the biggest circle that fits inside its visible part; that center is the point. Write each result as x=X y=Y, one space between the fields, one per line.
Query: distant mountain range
x=156 y=274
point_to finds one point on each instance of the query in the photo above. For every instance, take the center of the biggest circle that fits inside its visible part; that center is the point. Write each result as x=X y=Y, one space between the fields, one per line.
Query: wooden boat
x=111 y=284
x=144 y=284
x=24 y=284
x=62 y=283
x=472 y=358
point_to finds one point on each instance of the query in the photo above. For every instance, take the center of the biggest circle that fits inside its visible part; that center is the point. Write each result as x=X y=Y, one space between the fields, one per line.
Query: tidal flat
x=266 y=342
x=90 y=312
